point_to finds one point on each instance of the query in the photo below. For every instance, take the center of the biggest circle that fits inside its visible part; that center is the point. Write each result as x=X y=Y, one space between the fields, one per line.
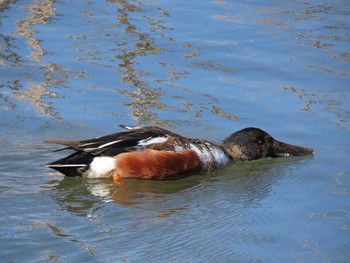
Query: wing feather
x=133 y=139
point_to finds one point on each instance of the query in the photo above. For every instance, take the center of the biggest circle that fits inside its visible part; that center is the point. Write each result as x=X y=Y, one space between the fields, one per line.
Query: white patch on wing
x=86 y=144
x=109 y=143
x=153 y=140
x=100 y=167
x=179 y=148
x=130 y=127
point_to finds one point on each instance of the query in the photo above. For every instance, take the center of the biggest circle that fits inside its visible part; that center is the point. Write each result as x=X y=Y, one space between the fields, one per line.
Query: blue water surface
x=77 y=69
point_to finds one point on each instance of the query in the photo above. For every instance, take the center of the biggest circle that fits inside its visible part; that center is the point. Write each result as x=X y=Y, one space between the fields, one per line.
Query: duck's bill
x=281 y=149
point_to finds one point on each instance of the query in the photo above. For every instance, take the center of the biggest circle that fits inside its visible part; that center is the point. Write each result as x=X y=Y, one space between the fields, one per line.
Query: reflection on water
x=140 y=36
x=327 y=100
x=234 y=205
x=249 y=182
x=76 y=69
x=330 y=102
x=131 y=46
x=330 y=105
x=39 y=13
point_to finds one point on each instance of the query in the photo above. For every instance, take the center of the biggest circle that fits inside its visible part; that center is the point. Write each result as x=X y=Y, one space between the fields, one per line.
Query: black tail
x=75 y=164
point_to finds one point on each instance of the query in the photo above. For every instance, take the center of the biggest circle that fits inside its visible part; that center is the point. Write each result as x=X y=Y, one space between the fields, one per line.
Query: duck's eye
x=260 y=141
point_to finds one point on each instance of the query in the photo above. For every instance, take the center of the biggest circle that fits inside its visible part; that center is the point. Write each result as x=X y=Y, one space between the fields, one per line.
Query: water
x=77 y=69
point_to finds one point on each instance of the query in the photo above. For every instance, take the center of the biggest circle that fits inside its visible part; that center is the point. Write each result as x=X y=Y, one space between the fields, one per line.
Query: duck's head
x=254 y=143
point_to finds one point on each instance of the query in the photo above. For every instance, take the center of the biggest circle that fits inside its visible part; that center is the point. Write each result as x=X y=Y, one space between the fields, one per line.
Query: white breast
x=212 y=157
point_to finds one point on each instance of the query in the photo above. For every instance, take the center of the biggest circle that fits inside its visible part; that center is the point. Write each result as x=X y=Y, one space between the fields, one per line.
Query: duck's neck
x=234 y=151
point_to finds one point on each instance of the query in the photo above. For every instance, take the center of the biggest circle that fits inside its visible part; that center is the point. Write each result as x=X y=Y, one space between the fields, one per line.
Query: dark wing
x=134 y=139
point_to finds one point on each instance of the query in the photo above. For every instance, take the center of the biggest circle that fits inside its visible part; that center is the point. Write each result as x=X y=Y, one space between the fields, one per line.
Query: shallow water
x=77 y=69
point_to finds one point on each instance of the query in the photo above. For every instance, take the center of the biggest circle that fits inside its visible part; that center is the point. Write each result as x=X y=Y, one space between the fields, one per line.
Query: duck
x=156 y=153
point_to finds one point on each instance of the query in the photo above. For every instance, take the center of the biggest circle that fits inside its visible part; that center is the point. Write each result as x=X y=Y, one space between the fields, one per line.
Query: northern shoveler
x=156 y=153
